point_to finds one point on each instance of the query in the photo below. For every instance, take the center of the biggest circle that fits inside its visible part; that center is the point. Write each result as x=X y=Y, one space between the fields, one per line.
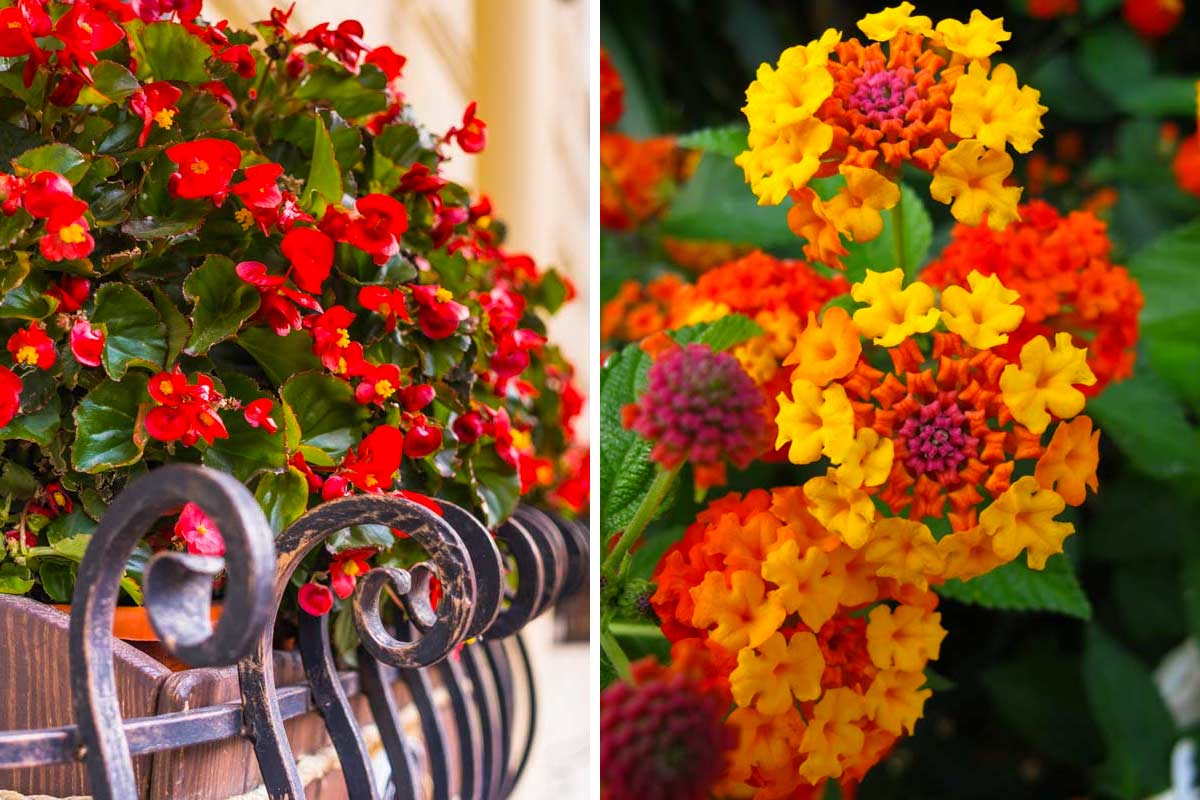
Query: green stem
x=616 y=655
x=642 y=517
x=635 y=630
x=898 y=235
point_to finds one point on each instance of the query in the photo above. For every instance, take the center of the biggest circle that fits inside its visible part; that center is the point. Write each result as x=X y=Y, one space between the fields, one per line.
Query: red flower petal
x=315 y=599
x=311 y=255
x=87 y=343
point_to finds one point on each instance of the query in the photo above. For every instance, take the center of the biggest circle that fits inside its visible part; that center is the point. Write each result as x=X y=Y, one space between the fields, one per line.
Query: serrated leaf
x=720 y=334
x=330 y=419
x=106 y=434
x=1016 y=587
x=1131 y=714
x=136 y=335
x=279 y=356
x=169 y=52
x=324 y=183
x=726 y=140
x=221 y=302
x=60 y=158
x=879 y=254
x=283 y=497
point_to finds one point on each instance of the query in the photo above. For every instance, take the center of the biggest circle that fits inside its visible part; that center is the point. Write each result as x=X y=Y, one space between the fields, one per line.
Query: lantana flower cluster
x=821 y=647
x=913 y=93
x=214 y=257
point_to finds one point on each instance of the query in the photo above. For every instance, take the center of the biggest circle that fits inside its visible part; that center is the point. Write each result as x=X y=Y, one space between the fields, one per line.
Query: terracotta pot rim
x=132 y=623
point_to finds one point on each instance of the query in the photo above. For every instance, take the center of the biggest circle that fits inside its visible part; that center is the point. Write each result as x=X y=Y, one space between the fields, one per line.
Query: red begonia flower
x=438 y=315
x=31 y=347
x=46 y=192
x=388 y=60
x=422 y=438
x=199 y=533
x=241 y=58
x=205 y=168
x=10 y=395
x=382 y=221
x=346 y=567
x=468 y=427
x=388 y=303
x=315 y=599
x=311 y=255
x=378 y=383
x=472 y=136
x=154 y=103
x=87 y=343
x=373 y=465
x=422 y=499
x=71 y=291
x=67 y=234
x=258 y=414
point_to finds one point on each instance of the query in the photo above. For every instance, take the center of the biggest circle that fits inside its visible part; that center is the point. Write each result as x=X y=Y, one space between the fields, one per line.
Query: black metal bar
x=317 y=654
x=405 y=784
x=466 y=726
x=531 y=728
x=433 y=732
x=484 y=692
x=178 y=591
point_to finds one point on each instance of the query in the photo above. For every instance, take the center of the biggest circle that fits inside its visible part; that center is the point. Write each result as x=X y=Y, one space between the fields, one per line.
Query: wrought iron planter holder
x=481 y=605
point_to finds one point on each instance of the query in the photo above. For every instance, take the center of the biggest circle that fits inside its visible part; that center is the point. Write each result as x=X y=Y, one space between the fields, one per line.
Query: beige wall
x=526 y=63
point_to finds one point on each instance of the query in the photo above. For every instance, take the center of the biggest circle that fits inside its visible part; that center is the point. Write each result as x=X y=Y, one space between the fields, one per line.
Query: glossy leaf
x=221 y=302
x=136 y=333
x=107 y=433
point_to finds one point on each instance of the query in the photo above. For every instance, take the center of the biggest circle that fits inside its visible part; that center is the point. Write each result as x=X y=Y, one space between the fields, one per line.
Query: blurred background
x=1026 y=705
x=526 y=63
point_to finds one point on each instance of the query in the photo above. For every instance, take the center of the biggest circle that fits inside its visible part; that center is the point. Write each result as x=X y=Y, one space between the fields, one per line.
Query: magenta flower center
x=885 y=94
x=938 y=440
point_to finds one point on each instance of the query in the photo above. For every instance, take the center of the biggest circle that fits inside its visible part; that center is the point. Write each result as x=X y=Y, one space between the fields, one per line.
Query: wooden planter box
x=35 y=694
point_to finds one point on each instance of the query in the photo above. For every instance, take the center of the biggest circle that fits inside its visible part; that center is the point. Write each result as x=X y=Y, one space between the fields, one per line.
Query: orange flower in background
x=1049 y=9
x=612 y=92
x=920 y=94
x=637 y=178
x=1062 y=270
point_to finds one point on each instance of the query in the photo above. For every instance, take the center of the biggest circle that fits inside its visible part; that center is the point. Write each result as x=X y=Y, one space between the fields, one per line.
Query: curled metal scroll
x=178 y=590
x=449 y=558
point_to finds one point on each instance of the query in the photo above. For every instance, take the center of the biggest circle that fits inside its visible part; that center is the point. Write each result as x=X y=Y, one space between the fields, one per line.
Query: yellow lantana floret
x=1023 y=519
x=844 y=510
x=896 y=700
x=815 y=421
x=977 y=38
x=996 y=111
x=742 y=613
x=855 y=209
x=882 y=26
x=868 y=460
x=968 y=554
x=893 y=313
x=905 y=637
x=971 y=179
x=826 y=351
x=834 y=734
x=805 y=586
x=905 y=550
x=778 y=672
x=985 y=315
x=1045 y=381
x=1069 y=464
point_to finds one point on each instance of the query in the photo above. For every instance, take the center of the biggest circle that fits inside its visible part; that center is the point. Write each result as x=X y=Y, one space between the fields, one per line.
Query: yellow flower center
x=201 y=529
x=343 y=337
x=165 y=118
x=164 y=386
x=351 y=568
x=372 y=481
x=199 y=167
x=245 y=218
x=27 y=355
x=72 y=234
x=384 y=389
x=60 y=499
x=444 y=295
